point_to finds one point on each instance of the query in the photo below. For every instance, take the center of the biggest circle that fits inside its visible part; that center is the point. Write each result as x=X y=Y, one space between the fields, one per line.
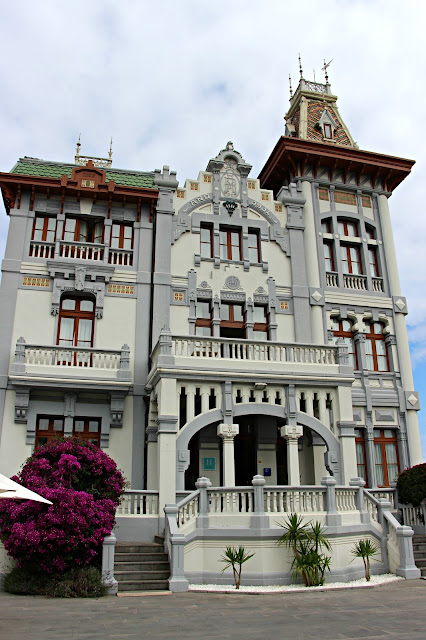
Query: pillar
x=228 y=432
x=292 y=433
x=319 y=449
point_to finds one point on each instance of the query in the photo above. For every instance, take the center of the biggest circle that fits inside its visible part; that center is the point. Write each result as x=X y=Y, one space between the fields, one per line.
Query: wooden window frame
x=382 y=440
x=262 y=326
x=91 y=227
x=204 y=322
x=349 y=260
x=87 y=435
x=345 y=223
x=361 y=440
x=121 y=237
x=77 y=315
x=50 y=433
x=229 y=245
x=207 y=227
x=374 y=338
x=342 y=333
x=330 y=245
x=231 y=323
x=45 y=229
x=328 y=129
x=374 y=265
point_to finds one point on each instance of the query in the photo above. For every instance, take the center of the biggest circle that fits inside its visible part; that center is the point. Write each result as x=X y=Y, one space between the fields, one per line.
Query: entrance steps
x=419 y=549
x=141 y=566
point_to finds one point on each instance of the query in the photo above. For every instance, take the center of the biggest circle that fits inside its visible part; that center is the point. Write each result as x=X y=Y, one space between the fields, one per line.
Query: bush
x=411 y=485
x=84 y=485
x=82 y=582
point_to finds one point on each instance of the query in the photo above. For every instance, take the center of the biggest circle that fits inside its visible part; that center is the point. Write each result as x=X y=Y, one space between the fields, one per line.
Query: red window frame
x=94 y=437
x=44 y=230
x=329 y=259
x=68 y=356
x=229 y=231
x=382 y=440
x=350 y=261
x=206 y=244
x=341 y=332
x=231 y=323
x=121 y=237
x=50 y=433
x=374 y=338
x=328 y=131
x=262 y=326
x=204 y=321
x=360 y=445
x=90 y=235
x=345 y=223
x=372 y=260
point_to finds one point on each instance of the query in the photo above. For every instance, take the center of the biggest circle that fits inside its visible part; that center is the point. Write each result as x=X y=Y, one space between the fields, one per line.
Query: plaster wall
x=13 y=450
x=120 y=441
x=33 y=320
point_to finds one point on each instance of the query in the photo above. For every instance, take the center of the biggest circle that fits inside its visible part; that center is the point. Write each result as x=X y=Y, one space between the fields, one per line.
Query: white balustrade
x=385 y=494
x=377 y=285
x=40 y=249
x=413 y=516
x=371 y=505
x=72 y=357
x=238 y=500
x=345 y=499
x=123 y=257
x=188 y=509
x=138 y=503
x=332 y=279
x=355 y=282
x=289 y=500
x=81 y=250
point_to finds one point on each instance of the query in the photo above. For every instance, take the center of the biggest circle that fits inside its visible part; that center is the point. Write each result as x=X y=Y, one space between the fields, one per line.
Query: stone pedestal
x=292 y=433
x=228 y=432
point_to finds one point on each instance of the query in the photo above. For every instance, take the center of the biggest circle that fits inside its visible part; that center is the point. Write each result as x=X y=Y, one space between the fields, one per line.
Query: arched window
x=343 y=329
x=76 y=322
x=375 y=348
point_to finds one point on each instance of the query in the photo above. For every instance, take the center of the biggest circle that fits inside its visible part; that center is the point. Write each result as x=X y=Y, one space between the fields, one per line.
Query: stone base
x=178 y=585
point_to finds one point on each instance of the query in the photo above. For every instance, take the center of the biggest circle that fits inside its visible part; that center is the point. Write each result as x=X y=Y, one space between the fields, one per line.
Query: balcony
x=81 y=251
x=39 y=361
x=209 y=354
x=354 y=282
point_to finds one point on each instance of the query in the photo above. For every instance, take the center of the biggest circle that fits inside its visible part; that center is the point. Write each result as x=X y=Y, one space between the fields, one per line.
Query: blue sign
x=267 y=471
x=209 y=464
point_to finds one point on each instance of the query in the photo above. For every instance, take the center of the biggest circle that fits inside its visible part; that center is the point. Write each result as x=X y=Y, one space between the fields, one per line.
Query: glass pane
x=341 y=228
x=358 y=433
x=69 y=229
x=67 y=331
x=370 y=233
x=259 y=314
x=202 y=309
x=93 y=426
x=99 y=228
x=43 y=424
x=235 y=252
x=352 y=231
x=224 y=251
x=41 y=441
x=346 y=325
x=224 y=311
x=260 y=335
x=206 y=250
x=238 y=313
x=253 y=255
x=128 y=232
x=79 y=426
x=391 y=453
x=86 y=305
x=58 y=424
x=379 y=464
x=344 y=258
x=203 y=331
x=388 y=433
x=378 y=328
x=235 y=238
x=252 y=240
x=83 y=231
x=84 y=333
x=382 y=363
x=68 y=304
x=205 y=234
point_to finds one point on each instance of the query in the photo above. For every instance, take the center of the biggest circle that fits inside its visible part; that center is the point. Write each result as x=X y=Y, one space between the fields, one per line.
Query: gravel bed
x=353 y=584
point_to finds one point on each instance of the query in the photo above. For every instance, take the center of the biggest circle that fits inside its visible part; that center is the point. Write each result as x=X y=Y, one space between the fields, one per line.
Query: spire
x=325 y=67
x=300 y=68
x=77 y=149
x=291 y=88
x=110 y=152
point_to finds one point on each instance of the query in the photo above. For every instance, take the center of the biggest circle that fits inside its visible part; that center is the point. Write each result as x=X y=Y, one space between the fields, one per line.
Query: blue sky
x=173 y=85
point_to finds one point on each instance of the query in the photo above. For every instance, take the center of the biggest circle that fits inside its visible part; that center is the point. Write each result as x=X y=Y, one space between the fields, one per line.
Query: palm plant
x=235 y=558
x=365 y=549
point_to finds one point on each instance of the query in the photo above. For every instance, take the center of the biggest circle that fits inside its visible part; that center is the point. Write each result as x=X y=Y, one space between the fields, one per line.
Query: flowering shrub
x=84 y=485
x=411 y=485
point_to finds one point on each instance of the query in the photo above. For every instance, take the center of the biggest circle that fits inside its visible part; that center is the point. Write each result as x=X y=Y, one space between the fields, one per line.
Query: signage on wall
x=209 y=464
x=267 y=471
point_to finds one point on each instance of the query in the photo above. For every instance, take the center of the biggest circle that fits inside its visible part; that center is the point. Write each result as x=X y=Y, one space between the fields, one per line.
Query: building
x=230 y=328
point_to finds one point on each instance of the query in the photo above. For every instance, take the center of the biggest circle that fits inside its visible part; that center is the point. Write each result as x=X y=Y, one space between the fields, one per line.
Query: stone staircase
x=141 y=566
x=419 y=549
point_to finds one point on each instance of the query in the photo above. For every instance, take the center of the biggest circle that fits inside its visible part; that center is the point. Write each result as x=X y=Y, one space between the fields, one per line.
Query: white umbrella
x=10 y=489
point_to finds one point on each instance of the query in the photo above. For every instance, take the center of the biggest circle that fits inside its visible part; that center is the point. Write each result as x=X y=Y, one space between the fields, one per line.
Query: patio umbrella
x=11 y=489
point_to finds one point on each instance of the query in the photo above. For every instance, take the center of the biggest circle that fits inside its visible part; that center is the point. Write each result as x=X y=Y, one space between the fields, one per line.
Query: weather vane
x=325 y=67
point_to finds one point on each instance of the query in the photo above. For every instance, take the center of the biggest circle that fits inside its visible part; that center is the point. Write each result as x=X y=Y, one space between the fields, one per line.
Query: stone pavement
x=393 y=612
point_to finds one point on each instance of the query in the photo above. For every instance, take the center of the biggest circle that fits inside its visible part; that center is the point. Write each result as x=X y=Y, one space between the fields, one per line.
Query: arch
x=253 y=408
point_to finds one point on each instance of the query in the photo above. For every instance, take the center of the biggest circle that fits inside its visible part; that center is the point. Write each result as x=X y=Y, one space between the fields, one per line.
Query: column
x=371 y=463
x=346 y=427
x=314 y=280
x=292 y=433
x=151 y=458
x=318 y=448
x=228 y=432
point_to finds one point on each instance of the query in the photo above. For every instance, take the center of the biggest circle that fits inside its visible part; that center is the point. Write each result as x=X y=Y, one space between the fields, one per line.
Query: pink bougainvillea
x=84 y=485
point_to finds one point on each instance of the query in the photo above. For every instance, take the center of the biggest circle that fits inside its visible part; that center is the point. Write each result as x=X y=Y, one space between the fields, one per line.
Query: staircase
x=419 y=548
x=141 y=566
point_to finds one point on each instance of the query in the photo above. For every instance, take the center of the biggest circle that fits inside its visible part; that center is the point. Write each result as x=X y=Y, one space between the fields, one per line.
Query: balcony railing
x=378 y=285
x=81 y=250
x=355 y=282
x=40 y=249
x=62 y=361
x=332 y=279
x=123 y=257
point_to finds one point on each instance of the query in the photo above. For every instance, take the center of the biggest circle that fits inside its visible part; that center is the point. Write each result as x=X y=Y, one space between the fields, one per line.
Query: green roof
x=34 y=167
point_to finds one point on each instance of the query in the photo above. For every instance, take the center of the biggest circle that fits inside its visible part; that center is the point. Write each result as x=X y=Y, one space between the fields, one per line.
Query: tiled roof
x=40 y=168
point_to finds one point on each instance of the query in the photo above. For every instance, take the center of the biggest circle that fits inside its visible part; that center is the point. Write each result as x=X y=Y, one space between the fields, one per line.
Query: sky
x=173 y=81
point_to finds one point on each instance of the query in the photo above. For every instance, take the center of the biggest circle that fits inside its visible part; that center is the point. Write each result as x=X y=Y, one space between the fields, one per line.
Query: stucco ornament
x=232 y=282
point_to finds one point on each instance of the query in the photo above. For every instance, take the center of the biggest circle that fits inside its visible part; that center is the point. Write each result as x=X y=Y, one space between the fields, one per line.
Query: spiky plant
x=365 y=549
x=235 y=558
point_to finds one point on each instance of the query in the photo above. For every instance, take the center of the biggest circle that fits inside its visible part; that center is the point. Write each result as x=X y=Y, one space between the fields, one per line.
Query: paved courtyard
x=395 y=611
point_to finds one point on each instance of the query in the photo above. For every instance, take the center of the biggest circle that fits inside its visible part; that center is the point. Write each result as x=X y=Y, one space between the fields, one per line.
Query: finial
x=291 y=88
x=77 y=150
x=325 y=67
x=300 y=68
x=314 y=75
x=110 y=151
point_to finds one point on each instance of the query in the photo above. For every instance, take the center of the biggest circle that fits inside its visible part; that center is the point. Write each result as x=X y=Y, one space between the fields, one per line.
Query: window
x=328 y=256
x=76 y=322
x=351 y=259
x=44 y=229
x=89 y=429
x=375 y=348
x=328 y=131
x=386 y=456
x=372 y=261
x=50 y=427
x=343 y=329
x=253 y=246
x=260 y=326
x=347 y=228
x=206 y=241
x=203 y=323
x=360 y=455
x=79 y=230
x=232 y=323
x=230 y=244
x=326 y=226
x=121 y=236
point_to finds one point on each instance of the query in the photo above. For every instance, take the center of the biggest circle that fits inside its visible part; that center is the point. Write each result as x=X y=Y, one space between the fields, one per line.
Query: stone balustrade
x=81 y=250
x=138 y=503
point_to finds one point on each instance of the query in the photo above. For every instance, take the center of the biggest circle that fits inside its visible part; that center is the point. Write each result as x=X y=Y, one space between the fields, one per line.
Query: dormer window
x=328 y=131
